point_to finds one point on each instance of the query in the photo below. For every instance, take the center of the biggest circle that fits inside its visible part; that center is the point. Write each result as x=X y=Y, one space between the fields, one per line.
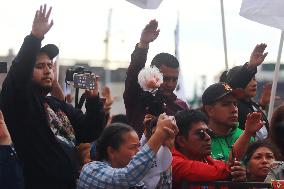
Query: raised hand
x=257 y=55
x=5 y=138
x=166 y=125
x=41 y=24
x=253 y=123
x=149 y=33
x=108 y=98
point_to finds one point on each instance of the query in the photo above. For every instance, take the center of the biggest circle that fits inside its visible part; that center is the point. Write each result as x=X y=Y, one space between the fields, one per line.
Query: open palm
x=150 y=32
x=41 y=24
x=258 y=55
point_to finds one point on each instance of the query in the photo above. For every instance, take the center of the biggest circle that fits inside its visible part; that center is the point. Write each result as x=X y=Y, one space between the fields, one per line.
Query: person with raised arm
x=119 y=162
x=46 y=130
x=167 y=64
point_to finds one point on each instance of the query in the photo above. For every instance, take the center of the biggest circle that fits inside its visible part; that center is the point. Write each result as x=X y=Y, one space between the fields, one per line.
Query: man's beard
x=42 y=90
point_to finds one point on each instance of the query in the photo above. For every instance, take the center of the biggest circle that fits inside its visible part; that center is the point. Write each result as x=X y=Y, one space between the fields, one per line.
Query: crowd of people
x=160 y=143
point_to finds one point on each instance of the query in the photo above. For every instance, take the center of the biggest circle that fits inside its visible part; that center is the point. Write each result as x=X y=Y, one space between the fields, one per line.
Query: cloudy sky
x=80 y=26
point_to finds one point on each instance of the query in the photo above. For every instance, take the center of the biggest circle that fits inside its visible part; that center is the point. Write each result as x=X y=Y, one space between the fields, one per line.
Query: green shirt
x=222 y=145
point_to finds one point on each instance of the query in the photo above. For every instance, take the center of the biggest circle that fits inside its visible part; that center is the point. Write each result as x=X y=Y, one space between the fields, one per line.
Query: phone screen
x=84 y=81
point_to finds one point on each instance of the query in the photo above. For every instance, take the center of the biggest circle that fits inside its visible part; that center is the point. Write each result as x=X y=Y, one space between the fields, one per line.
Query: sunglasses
x=202 y=133
x=168 y=79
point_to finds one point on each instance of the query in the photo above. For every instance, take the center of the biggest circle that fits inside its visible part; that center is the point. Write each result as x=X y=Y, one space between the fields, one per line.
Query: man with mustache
x=220 y=104
x=45 y=130
x=191 y=155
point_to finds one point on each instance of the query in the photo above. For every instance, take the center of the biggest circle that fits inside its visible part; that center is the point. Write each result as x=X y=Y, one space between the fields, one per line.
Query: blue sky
x=80 y=27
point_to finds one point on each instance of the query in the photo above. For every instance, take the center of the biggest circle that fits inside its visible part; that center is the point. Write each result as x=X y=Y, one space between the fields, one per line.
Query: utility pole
x=106 y=59
x=224 y=35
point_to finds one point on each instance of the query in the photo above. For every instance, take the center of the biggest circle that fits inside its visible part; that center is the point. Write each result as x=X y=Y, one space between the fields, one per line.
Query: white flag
x=267 y=12
x=146 y=4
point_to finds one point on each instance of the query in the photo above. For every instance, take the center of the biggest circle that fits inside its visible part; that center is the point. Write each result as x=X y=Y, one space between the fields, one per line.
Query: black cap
x=232 y=73
x=50 y=49
x=217 y=91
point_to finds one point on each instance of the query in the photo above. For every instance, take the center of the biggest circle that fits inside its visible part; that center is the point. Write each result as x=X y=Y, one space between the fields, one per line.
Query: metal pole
x=275 y=78
x=106 y=60
x=224 y=35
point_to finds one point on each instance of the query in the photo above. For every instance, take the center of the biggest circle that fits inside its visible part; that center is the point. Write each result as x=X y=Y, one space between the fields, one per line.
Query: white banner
x=267 y=12
x=146 y=4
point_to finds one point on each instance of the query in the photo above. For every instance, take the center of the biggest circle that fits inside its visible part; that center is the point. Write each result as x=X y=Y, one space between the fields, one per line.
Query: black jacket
x=47 y=163
x=11 y=173
x=240 y=79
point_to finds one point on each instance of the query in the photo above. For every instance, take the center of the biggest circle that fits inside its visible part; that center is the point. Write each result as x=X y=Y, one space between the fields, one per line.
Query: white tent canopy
x=146 y=4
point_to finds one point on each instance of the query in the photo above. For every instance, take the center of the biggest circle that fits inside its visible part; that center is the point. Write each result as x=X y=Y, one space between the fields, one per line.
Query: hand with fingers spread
x=94 y=92
x=253 y=123
x=5 y=138
x=149 y=34
x=41 y=24
x=238 y=172
x=257 y=56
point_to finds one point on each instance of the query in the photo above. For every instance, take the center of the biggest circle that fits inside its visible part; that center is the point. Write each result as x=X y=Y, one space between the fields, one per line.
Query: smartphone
x=84 y=81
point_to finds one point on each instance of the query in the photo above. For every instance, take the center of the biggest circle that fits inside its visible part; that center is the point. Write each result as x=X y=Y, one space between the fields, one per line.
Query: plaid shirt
x=99 y=174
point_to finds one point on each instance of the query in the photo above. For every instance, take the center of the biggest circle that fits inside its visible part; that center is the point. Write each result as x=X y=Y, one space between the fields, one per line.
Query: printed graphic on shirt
x=60 y=126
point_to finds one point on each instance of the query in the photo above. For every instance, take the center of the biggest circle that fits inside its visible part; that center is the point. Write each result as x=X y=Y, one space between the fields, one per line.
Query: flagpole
x=224 y=34
x=177 y=37
x=106 y=59
x=180 y=92
x=275 y=78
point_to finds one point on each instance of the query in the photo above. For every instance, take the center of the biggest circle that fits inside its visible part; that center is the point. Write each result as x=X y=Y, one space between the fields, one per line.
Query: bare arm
x=253 y=124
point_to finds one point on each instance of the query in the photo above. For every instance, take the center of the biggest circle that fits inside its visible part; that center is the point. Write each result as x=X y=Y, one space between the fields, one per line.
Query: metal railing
x=228 y=184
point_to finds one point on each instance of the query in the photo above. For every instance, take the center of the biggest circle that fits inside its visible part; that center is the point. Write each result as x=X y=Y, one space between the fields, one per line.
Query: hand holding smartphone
x=85 y=81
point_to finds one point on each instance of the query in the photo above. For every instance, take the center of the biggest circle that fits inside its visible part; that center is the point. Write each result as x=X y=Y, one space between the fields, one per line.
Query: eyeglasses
x=202 y=133
x=168 y=79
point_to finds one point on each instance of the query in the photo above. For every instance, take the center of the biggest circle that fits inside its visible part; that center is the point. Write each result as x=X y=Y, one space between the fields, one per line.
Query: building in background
x=8 y=62
x=116 y=84
x=117 y=76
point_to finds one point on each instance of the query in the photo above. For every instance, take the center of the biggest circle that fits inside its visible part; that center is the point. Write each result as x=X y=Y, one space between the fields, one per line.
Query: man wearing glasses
x=191 y=155
x=168 y=66
x=220 y=104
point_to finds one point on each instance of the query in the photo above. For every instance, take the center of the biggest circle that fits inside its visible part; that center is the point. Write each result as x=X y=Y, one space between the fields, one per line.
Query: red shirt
x=192 y=170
